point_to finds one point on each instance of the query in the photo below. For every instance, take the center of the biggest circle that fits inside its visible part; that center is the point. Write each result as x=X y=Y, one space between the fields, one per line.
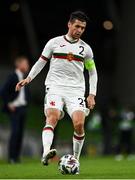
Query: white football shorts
x=69 y=103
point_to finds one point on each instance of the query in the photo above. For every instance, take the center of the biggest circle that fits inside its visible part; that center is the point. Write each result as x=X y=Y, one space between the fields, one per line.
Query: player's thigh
x=53 y=106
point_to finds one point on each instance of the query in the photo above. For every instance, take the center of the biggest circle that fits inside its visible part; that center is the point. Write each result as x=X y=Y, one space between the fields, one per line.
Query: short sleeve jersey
x=66 y=62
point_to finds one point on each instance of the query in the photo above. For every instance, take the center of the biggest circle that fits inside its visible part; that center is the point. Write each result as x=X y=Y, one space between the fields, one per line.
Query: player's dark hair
x=79 y=15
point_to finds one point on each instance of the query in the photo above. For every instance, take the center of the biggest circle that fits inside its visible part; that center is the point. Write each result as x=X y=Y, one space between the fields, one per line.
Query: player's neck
x=69 y=38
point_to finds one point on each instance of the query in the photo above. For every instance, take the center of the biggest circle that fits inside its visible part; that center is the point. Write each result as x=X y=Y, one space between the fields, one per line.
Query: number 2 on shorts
x=81 y=101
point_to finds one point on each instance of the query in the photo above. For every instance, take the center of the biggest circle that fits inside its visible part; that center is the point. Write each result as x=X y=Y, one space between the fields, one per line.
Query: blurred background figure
x=15 y=104
x=125 y=140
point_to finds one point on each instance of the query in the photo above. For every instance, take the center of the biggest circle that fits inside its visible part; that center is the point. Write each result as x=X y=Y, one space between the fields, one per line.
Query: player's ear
x=69 y=24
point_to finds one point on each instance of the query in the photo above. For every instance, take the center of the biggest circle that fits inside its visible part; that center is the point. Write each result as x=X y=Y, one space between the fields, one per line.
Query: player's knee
x=78 y=121
x=53 y=116
x=52 y=120
x=53 y=113
x=79 y=127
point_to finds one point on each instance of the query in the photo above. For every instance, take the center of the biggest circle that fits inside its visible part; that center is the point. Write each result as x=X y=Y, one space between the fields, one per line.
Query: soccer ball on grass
x=68 y=164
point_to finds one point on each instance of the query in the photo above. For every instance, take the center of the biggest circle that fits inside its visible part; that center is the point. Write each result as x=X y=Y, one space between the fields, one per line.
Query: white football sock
x=78 y=141
x=47 y=138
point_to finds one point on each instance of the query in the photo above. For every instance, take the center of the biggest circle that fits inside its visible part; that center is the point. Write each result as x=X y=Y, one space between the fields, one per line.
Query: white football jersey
x=66 y=63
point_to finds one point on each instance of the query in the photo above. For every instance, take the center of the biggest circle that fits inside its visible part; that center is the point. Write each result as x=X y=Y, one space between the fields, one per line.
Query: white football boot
x=51 y=153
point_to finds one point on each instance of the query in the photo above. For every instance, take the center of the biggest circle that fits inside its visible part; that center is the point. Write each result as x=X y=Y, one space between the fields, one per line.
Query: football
x=68 y=164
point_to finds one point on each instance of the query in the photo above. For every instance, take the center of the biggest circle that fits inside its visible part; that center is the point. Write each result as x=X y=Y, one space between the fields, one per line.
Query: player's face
x=76 y=28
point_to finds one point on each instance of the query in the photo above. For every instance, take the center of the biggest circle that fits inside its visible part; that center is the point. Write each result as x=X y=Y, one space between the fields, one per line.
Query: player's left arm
x=93 y=78
x=38 y=66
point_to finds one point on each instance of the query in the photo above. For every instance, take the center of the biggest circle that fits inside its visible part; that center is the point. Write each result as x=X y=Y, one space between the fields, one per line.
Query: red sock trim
x=78 y=137
x=47 y=128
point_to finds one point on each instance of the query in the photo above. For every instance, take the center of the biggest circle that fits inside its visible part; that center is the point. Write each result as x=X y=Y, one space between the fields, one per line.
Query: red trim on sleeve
x=44 y=58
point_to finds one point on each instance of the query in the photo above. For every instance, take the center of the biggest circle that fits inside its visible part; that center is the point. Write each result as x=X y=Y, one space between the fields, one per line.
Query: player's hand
x=91 y=101
x=22 y=83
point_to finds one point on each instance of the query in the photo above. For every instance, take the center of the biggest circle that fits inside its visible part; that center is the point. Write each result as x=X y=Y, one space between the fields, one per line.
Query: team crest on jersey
x=70 y=56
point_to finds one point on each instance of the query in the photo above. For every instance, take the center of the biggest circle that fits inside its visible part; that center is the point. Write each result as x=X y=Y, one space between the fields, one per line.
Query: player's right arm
x=38 y=66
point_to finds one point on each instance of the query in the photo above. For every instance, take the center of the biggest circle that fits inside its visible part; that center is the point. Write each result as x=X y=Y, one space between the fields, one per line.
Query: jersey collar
x=68 y=39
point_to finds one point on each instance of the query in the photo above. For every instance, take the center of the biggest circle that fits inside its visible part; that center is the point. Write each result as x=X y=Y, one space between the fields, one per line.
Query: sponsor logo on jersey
x=62 y=45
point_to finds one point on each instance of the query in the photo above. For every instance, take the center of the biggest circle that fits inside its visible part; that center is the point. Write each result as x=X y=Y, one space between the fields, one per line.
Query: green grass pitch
x=91 y=168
